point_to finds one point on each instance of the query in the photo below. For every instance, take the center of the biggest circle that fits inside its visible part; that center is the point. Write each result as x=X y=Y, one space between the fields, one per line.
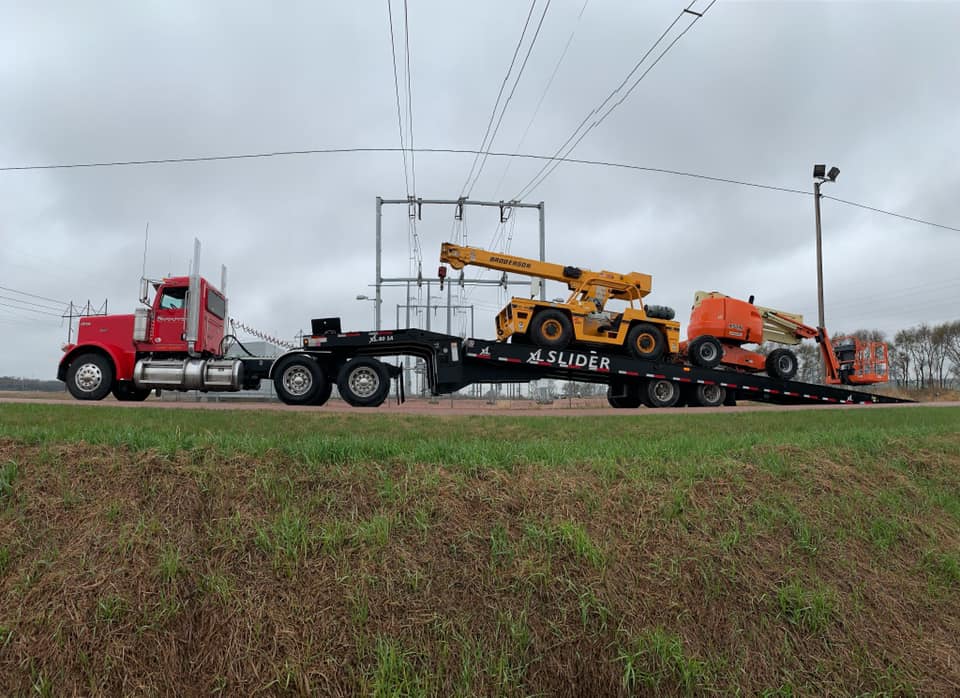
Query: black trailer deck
x=453 y=363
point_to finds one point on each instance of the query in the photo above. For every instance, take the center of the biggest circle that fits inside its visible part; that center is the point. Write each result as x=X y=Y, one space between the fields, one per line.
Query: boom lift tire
x=646 y=341
x=299 y=380
x=705 y=351
x=623 y=395
x=126 y=391
x=364 y=382
x=90 y=376
x=709 y=395
x=660 y=392
x=782 y=363
x=551 y=328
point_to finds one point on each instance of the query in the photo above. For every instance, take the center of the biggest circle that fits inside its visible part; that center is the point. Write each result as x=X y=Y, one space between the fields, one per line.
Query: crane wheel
x=705 y=351
x=646 y=341
x=782 y=363
x=364 y=382
x=551 y=328
x=660 y=392
x=298 y=380
x=90 y=376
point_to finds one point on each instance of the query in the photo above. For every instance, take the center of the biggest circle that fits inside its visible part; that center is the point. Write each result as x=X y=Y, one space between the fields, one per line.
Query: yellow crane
x=647 y=332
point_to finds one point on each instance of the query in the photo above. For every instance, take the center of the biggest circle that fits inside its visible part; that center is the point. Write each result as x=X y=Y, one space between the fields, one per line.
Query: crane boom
x=631 y=286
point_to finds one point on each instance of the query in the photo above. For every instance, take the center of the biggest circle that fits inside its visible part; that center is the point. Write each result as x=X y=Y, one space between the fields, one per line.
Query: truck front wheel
x=90 y=377
x=298 y=381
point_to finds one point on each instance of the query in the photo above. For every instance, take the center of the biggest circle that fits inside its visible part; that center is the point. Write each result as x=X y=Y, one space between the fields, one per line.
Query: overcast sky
x=756 y=91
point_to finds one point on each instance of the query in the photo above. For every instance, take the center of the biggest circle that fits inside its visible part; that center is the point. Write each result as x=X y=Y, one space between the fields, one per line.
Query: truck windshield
x=173 y=298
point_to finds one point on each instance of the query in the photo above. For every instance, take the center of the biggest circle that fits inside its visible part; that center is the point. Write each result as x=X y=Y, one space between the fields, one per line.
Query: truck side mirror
x=144 y=290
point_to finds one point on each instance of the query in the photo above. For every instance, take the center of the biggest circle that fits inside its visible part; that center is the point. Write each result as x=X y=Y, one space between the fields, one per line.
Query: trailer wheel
x=323 y=394
x=298 y=380
x=646 y=341
x=660 y=392
x=709 y=395
x=90 y=377
x=551 y=328
x=623 y=395
x=782 y=363
x=705 y=351
x=364 y=382
x=126 y=391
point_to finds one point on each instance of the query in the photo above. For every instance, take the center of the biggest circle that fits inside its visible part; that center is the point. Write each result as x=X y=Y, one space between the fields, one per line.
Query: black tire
x=323 y=394
x=126 y=391
x=782 y=363
x=364 y=382
x=660 y=392
x=623 y=395
x=705 y=351
x=90 y=377
x=731 y=399
x=709 y=395
x=646 y=341
x=298 y=380
x=551 y=328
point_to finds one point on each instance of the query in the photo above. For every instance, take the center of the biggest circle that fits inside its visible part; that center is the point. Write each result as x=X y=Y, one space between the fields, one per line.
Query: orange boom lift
x=721 y=325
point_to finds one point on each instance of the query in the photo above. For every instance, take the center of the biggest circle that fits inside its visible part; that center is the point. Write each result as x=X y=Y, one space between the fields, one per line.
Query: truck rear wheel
x=90 y=377
x=126 y=391
x=298 y=380
x=364 y=382
x=551 y=328
x=646 y=341
x=660 y=392
x=782 y=363
x=705 y=351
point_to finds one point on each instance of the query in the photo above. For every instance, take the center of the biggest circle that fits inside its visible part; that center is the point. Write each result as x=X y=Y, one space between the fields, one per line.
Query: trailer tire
x=660 y=392
x=126 y=391
x=323 y=394
x=646 y=341
x=623 y=396
x=782 y=363
x=709 y=395
x=705 y=351
x=90 y=376
x=551 y=328
x=364 y=382
x=298 y=380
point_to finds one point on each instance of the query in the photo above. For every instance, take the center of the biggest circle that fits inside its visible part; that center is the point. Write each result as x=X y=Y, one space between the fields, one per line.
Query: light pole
x=821 y=175
x=376 y=307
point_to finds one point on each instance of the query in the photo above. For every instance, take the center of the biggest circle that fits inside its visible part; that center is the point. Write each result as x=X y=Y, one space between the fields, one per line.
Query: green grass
x=766 y=553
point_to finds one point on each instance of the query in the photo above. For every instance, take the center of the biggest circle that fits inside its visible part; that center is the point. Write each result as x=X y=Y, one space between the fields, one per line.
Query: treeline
x=920 y=357
x=31 y=384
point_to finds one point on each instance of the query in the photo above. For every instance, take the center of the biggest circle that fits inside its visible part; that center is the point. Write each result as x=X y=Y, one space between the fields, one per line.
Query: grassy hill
x=178 y=552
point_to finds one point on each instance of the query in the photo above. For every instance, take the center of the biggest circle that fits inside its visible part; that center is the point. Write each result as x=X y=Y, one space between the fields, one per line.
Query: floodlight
x=832 y=174
x=819 y=171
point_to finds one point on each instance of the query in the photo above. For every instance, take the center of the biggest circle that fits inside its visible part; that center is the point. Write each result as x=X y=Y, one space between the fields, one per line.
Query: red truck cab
x=180 y=323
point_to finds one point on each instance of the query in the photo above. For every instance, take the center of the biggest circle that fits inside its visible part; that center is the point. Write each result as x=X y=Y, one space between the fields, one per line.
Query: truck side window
x=173 y=298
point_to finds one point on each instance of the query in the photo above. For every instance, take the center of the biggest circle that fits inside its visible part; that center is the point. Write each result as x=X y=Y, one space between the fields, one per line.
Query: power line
x=548 y=168
x=890 y=213
x=458 y=151
x=30 y=310
x=396 y=90
x=33 y=295
x=496 y=104
x=406 y=40
x=30 y=303
x=513 y=89
x=546 y=89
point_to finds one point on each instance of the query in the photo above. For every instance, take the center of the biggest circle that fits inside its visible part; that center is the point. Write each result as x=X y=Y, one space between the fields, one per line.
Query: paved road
x=459 y=407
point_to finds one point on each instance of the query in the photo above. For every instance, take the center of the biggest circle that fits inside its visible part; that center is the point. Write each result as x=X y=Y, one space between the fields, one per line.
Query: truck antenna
x=146 y=236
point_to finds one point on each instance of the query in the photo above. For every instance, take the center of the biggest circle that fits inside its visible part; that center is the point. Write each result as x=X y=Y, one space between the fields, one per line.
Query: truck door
x=169 y=324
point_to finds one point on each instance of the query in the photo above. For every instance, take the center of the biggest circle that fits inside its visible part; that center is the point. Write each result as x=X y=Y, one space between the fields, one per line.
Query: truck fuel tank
x=189 y=374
